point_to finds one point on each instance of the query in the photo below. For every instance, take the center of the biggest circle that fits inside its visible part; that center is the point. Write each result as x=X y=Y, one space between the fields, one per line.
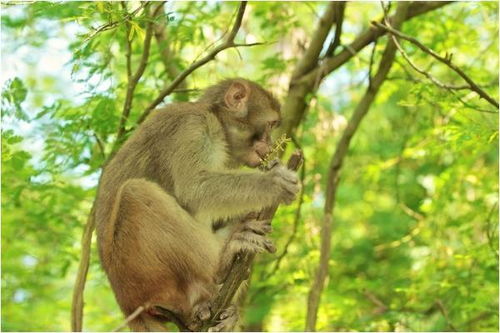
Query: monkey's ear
x=236 y=98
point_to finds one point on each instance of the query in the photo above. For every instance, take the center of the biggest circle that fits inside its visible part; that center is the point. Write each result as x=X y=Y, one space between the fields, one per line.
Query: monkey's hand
x=286 y=184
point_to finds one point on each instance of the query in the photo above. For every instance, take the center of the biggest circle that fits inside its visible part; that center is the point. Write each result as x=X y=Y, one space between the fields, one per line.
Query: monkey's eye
x=273 y=124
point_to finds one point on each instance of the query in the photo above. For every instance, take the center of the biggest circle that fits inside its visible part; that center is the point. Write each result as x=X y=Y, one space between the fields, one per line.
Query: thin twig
x=81 y=277
x=381 y=307
x=134 y=315
x=228 y=43
x=295 y=227
x=370 y=66
x=296 y=218
x=134 y=79
x=172 y=69
x=99 y=144
x=445 y=60
x=128 y=53
x=111 y=25
x=444 y=312
x=425 y=73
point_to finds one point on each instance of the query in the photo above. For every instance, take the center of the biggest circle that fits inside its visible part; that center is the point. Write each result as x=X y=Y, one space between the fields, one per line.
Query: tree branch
x=310 y=58
x=132 y=316
x=295 y=227
x=336 y=165
x=240 y=267
x=445 y=60
x=128 y=44
x=111 y=25
x=295 y=106
x=134 y=79
x=81 y=277
x=339 y=18
x=368 y=36
x=228 y=43
x=166 y=57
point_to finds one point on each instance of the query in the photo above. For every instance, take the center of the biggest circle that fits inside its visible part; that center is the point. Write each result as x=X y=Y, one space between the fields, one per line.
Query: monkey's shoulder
x=192 y=117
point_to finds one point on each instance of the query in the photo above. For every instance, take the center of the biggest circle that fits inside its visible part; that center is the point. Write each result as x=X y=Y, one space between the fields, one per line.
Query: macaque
x=163 y=196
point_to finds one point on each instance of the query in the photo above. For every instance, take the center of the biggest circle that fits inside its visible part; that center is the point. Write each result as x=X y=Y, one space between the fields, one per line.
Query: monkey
x=162 y=196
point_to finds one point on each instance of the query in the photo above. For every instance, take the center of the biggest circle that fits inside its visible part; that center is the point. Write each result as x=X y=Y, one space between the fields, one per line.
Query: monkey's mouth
x=254 y=159
x=261 y=155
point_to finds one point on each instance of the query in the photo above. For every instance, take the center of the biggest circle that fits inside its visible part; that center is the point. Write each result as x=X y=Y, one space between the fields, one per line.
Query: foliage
x=415 y=241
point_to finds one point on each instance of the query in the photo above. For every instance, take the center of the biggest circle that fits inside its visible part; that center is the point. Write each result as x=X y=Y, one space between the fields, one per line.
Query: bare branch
x=241 y=266
x=336 y=165
x=167 y=58
x=445 y=60
x=370 y=66
x=294 y=106
x=339 y=18
x=99 y=144
x=444 y=312
x=368 y=36
x=132 y=316
x=310 y=58
x=81 y=277
x=228 y=43
x=128 y=44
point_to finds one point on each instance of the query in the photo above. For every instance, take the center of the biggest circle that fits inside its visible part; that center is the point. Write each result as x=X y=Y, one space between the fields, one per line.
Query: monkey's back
x=147 y=154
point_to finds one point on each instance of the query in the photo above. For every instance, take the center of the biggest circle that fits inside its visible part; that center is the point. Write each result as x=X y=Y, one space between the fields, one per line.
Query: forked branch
x=445 y=60
x=336 y=162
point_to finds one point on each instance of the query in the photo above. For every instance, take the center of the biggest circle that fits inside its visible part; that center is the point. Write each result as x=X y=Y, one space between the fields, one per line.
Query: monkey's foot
x=201 y=313
x=259 y=227
x=227 y=320
x=251 y=239
x=248 y=239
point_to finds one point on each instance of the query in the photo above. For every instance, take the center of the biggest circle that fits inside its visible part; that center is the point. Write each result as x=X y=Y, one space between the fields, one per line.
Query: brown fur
x=170 y=181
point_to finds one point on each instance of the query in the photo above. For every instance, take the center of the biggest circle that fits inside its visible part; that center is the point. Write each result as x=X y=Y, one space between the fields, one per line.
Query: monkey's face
x=250 y=114
x=250 y=140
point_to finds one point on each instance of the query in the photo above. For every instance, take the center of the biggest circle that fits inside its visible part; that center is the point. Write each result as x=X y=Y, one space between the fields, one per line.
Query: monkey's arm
x=204 y=186
x=229 y=193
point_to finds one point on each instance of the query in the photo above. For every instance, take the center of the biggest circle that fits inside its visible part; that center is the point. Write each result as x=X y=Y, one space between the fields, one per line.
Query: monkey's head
x=248 y=114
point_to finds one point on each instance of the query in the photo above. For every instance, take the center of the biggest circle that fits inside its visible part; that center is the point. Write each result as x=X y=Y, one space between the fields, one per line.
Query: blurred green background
x=415 y=238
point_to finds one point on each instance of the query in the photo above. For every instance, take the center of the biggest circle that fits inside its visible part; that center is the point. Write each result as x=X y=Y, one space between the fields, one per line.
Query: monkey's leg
x=161 y=255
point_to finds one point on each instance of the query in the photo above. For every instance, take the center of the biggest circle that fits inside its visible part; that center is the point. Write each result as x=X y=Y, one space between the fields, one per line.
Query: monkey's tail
x=109 y=232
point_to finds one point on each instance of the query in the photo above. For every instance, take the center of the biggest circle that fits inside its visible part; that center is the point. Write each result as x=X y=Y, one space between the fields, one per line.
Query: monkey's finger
x=269 y=246
x=258 y=227
x=291 y=189
x=287 y=176
x=217 y=328
x=274 y=163
x=258 y=231
x=252 y=216
x=229 y=312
